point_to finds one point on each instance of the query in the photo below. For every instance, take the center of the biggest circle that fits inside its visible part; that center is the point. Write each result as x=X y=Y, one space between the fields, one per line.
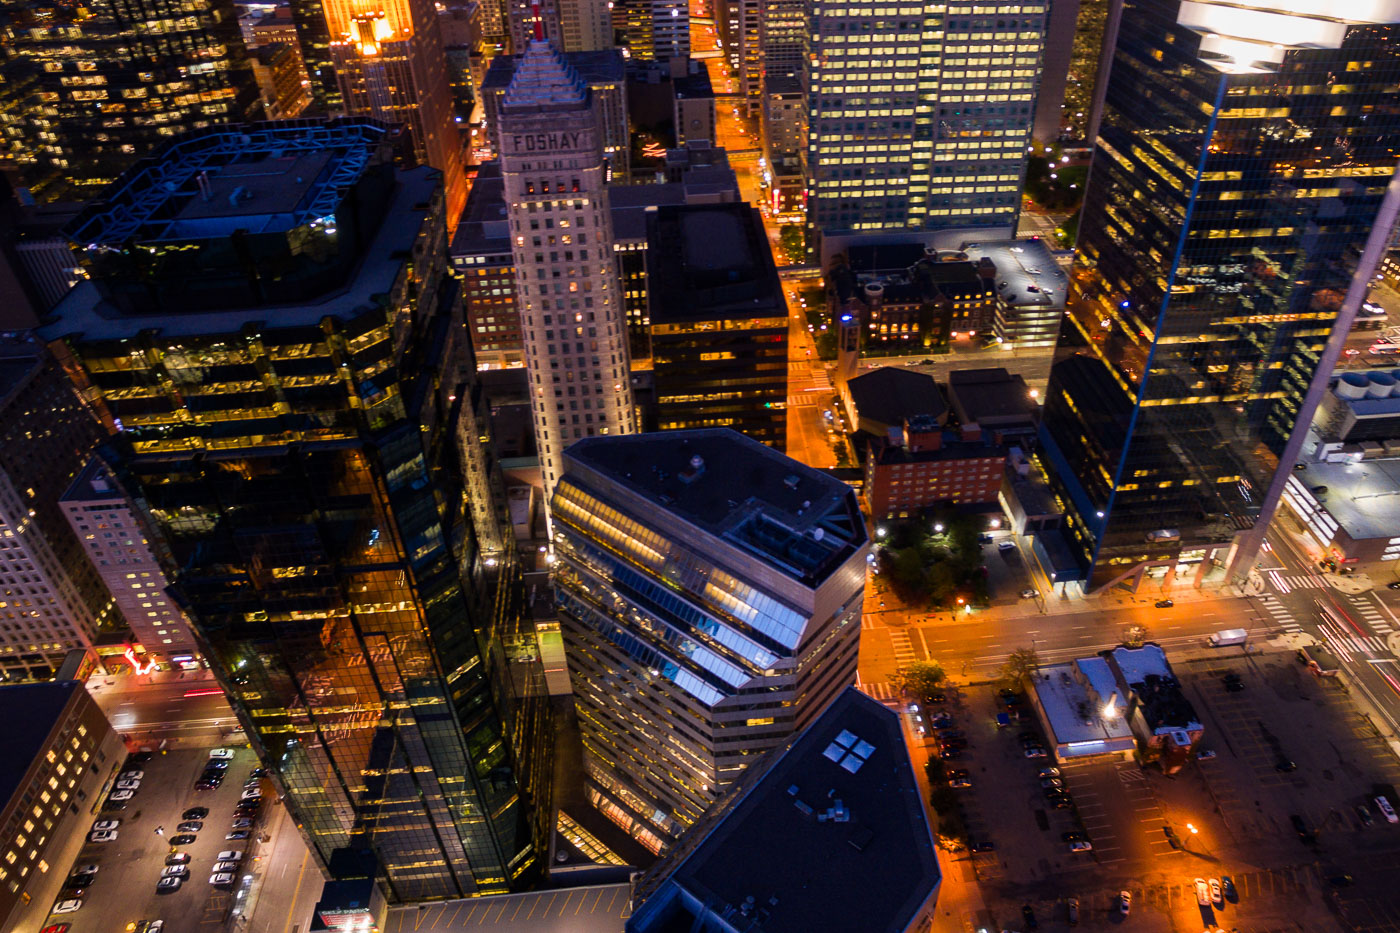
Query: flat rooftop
x=84 y=315
x=708 y=261
x=29 y=712
x=890 y=394
x=1363 y=497
x=1073 y=707
x=1164 y=706
x=832 y=837
x=991 y=397
x=797 y=520
x=1021 y=266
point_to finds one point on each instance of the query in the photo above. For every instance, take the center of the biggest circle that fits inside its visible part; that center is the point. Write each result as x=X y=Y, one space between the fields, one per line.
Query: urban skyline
x=666 y=465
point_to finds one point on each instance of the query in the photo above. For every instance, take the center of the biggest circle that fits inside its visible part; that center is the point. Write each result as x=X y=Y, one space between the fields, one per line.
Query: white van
x=1386 y=809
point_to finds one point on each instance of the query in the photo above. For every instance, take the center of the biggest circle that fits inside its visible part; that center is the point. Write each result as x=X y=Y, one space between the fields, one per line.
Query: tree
x=1022 y=664
x=940 y=582
x=920 y=680
x=793 y=239
x=1135 y=636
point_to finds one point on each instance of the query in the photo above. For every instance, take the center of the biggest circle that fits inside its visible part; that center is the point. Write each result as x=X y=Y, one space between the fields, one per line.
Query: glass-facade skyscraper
x=1242 y=159
x=270 y=332
x=919 y=116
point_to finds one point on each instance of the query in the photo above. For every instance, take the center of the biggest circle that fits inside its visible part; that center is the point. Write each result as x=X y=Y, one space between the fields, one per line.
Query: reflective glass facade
x=316 y=470
x=692 y=652
x=1233 y=185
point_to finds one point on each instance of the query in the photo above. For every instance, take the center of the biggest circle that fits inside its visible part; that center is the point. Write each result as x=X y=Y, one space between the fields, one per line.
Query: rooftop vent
x=790 y=481
x=693 y=472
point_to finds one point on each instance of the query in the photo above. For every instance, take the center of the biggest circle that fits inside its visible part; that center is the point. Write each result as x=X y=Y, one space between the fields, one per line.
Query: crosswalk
x=803 y=401
x=1302 y=581
x=1371 y=613
x=878 y=690
x=1279 y=614
x=904 y=653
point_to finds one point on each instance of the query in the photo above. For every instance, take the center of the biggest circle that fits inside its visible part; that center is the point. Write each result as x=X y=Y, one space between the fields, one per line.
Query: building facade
x=391 y=66
x=51 y=597
x=919 y=120
x=1235 y=180
x=719 y=323
x=710 y=593
x=738 y=22
x=62 y=751
x=90 y=90
x=301 y=433
x=653 y=30
x=571 y=304
x=116 y=542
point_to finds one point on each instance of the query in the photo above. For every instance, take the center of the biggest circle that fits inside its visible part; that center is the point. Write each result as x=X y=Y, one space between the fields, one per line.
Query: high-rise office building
x=719 y=321
x=293 y=426
x=653 y=30
x=314 y=38
x=390 y=63
x=86 y=90
x=710 y=593
x=1062 y=20
x=782 y=35
x=573 y=25
x=1241 y=163
x=739 y=28
x=571 y=305
x=114 y=538
x=920 y=120
x=51 y=598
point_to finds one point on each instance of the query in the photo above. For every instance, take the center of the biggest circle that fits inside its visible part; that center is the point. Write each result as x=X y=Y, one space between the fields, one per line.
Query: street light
x=938 y=529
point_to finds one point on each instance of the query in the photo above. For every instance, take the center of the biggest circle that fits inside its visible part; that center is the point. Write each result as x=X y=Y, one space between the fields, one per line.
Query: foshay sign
x=547 y=142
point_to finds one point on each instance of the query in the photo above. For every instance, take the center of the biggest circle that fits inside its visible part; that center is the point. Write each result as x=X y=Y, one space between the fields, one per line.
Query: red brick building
x=901 y=480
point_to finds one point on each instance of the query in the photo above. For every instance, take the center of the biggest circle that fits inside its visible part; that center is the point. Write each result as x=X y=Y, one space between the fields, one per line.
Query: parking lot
x=121 y=894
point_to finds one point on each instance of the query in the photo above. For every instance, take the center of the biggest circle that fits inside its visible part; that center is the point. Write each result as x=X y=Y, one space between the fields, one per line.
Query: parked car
x=1205 y=754
x=1028 y=915
x=183 y=839
x=1052 y=782
x=1387 y=811
x=1034 y=751
x=68 y=906
x=229 y=855
x=1073 y=908
x=1125 y=902
x=226 y=866
x=177 y=858
x=81 y=880
x=190 y=826
x=1048 y=773
x=216 y=764
x=1164 y=604
x=56 y=928
x=223 y=753
x=195 y=813
x=1300 y=826
x=1217 y=895
x=1028 y=593
x=175 y=871
x=1227 y=886
x=101 y=825
x=221 y=879
x=1233 y=683
x=121 y=796
x=103 y=835
x=242 y=823
x=131 y=775
x=169 y=884
x=258 y=772
x=236 y=834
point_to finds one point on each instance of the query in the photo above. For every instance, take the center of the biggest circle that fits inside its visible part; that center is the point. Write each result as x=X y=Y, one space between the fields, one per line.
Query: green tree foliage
x=920 y=680
x=1021 y=665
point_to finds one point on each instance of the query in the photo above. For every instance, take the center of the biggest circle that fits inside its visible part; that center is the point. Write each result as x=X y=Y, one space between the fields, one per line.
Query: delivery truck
x=1227 y=637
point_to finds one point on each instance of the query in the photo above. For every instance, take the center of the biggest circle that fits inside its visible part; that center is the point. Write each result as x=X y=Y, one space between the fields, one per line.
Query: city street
x=184 y=709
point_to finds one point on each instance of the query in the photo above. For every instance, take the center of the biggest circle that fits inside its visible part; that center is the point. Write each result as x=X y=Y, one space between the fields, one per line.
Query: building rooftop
x=831 y=836
x=543 y=82
x=883 y=258
x=93 y=483
x=991 y=397
x=1364 y=497
x=692 y=84
x=20 y=357
x=782 y=85
x=593 y=67
x=260 y=178
x=885 y=452
x=31 y=711
x=484 y=227
x=1073 y=698
x=85 y=314
x=1022 y=265
x=1164 y=706
x=708 y=261
x=795 y=519
x=629 y=205
x=889 y=395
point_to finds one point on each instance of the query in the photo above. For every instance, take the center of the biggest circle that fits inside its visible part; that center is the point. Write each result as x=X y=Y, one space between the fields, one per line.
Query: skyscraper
x=919 y=120
x=1241 y=163
x=390 y=63
x=314 y=38
x=87 y=90
x=710 y=593
x=294 y=428
x=571 y=306
x=654 y=30
x=739 y=28
x=51 y=599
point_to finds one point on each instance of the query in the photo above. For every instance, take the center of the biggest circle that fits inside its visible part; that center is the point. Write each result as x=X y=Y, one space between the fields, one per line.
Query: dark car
x=1393 y=585
x=937 y=698
x=982 y=845
x=949 y=753
x=1285 y=765
x=1227 y=884
x=237 y=834
x=1364 y=813
x=1233 y=683
x=140 y=758
x=1030 y=738
x=190 y=826
x=216 y=764
x=1028 y=915
x=1060 y=801
x=258 y=772
x=183 y=839
x=81 y=880
x=1164 y=604
x=1300 y=826
x=195 y=813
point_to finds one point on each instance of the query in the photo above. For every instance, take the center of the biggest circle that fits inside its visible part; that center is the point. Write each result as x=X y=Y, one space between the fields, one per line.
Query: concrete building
x=1030 y=290
x=120 y=548
x=390 y=65
x=919 y=125
x=653 y=30
x=828 y=833
x=605 y=74
x=571 y=303
x=994 y=404
x=51 y=598
x=60 y=752
x=738 y=23
x=710 y=592
x=784 y=122
x=304 y=433
x=1061 y=20
x=694 y=103
x=719 y=322
x=280 y=76
x=1349 y=510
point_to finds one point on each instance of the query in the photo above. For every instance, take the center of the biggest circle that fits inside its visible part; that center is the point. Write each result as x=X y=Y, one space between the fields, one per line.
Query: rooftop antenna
x=539 y=21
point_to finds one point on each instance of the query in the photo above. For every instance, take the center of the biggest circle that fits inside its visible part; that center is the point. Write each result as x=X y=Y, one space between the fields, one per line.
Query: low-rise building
x=883 y=399
x=1350 y=510
x=993 y=403
x=918 y=470
x=1030 y=290
x=60 y=751
x=1118 y=703
x=828 y=833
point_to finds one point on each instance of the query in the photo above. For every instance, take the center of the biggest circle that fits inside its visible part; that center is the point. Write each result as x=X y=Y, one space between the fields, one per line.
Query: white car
x=131 y=775
x=1125 y=898
x=221 y=879
x=177 y=870
x=169 y=884
x=1216 y=895
x=224 y=753
x=103 y=835
x=86 y=870
x=105 y=824
x=128 y=785
x=252 y=793
x=229 y=856
x=1387 y=811
x=1202 y=892
x=68 y=906
x=225 y=866
x=119 y=795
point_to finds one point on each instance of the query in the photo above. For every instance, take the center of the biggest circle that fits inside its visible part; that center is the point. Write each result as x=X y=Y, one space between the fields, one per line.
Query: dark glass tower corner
x=1235 y=180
